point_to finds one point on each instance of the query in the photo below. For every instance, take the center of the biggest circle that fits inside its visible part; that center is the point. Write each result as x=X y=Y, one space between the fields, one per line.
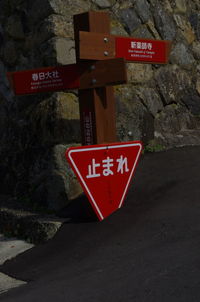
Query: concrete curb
x=22 y=222
x=32 y=227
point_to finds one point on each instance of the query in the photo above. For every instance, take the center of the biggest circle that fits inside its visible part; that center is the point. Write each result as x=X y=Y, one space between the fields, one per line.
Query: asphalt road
x=147 y=251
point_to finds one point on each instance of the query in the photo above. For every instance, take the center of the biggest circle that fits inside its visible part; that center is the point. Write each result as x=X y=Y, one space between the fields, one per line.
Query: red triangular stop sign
x=105 y=173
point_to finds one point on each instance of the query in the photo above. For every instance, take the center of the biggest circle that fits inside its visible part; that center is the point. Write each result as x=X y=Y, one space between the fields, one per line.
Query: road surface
x=149 y=251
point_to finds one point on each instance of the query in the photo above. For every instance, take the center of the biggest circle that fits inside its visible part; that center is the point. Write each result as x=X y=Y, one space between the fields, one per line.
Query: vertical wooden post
x=97 y=106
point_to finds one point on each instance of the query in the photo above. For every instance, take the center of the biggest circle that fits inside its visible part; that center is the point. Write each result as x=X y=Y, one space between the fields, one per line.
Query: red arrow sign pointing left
x=105 y=173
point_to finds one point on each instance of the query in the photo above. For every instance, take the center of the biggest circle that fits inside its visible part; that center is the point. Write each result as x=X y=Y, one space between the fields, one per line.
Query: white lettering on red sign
x=92 y=169
x=40 y=76
x=107 y=164
x=107 y=167
x=122 y=165
x=141 y=45
x=46 y=80
x=87 y=118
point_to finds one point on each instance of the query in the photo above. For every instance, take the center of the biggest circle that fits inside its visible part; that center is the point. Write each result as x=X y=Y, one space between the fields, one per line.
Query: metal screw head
x=106 y=40
x=94 y=81
x=106 y=53
x=92 y=67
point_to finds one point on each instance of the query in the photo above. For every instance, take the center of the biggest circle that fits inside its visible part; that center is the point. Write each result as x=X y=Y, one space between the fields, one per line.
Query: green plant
x=153 y=147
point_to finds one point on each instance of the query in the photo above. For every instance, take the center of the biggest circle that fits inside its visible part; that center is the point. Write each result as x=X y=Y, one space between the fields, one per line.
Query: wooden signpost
x=104 y=168
x=94 y=42
x=131 y=49
x=100 y=64
x=85 y=75
x=97 y=106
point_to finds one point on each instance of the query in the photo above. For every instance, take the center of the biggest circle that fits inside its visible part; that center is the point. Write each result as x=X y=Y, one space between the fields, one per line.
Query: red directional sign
x=85 y=75
x=105 y=173
x=98 y=46
x=45 y=79
x=140 y=50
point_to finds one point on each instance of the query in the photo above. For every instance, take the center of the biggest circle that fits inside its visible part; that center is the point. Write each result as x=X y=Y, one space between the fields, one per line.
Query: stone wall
x=160 y=105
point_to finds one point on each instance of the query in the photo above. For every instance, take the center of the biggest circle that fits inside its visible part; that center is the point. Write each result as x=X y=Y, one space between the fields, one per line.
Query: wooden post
x=100 y=63
x=97 y=106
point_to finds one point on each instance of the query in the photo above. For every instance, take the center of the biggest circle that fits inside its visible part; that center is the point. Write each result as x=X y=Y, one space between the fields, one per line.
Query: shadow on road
x=78 y=211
